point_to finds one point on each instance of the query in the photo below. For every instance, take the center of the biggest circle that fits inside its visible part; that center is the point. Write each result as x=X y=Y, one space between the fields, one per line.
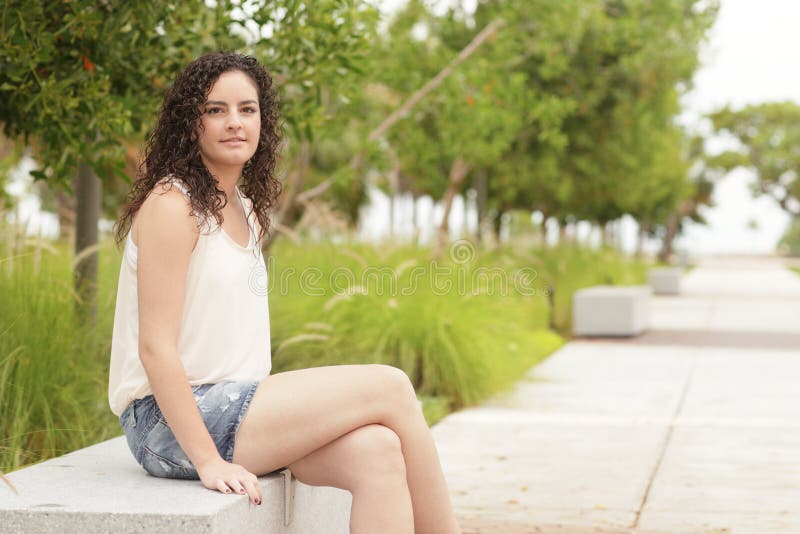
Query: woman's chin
x=229 y=160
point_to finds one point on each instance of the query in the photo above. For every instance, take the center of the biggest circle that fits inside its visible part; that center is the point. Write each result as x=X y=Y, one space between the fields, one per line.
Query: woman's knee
x=379 y=453
x=396 y=386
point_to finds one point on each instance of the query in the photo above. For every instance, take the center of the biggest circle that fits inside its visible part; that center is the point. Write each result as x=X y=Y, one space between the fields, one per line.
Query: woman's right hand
x=227 y=477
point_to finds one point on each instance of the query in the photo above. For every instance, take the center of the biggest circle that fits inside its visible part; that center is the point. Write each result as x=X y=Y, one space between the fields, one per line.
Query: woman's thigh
x=295 y=413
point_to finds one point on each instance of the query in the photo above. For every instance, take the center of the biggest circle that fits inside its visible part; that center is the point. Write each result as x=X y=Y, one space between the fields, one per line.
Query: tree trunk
x=561 y=231
x=644 y=227
x=67 y=214
x=571 y=232
x=393 y=178
x=458 y=171
x=415 y=230
x=495 y=222
x=88 y=194
x=543 y=229
x=666 y=246
x=608 y=234
x=482 y=189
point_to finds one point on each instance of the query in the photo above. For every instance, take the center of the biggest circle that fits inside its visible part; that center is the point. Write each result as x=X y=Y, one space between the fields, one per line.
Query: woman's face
x=231 y=121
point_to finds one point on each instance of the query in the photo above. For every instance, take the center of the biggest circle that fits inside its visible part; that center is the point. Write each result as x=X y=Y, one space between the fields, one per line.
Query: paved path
x=691 y=428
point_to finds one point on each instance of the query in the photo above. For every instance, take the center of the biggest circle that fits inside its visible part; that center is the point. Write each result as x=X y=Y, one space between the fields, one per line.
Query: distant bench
x=665 y=280
x=611 y=310
x=102 y=489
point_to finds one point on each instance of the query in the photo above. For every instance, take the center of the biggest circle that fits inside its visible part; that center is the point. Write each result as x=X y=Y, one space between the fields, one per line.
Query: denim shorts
x=222 y=407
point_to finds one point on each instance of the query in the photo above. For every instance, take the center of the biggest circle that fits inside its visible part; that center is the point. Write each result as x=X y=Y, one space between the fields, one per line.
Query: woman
x=190 y=360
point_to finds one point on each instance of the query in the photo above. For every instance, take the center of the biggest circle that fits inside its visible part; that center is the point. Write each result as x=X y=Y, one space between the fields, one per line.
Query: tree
x=693 y=189
x=769 y=144
x=633 y=62
x=542 y=39
x=78 y=79
x=467 y=121
x=606 y=77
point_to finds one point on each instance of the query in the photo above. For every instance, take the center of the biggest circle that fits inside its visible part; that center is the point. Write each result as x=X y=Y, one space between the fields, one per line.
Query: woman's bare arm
x=167 y=234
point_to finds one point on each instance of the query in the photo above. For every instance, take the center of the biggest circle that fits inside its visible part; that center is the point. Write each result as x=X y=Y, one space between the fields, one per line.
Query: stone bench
x=665 y=280
x=610 y=310
x=102 y=489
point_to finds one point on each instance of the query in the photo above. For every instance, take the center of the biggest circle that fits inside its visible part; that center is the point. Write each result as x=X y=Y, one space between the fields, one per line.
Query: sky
x=752 y=56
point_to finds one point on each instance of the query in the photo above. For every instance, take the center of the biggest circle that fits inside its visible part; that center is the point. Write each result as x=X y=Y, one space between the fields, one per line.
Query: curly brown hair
x=172 y=147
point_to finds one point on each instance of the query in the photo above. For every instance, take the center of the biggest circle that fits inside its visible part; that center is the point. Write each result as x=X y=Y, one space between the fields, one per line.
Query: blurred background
x=576 y=143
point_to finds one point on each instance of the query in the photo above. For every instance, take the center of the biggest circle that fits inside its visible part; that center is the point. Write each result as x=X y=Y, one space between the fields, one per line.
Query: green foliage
x=606 y=77
x=77 y=77
x=10 y=156
x=473 y=115
x=791 y=239
x=71 y=85
x=769 y=144
x=568 y=106
x=315 y=50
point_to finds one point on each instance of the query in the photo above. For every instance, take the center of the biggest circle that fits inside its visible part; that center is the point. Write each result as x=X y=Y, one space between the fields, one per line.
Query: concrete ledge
x=102 y=489
x=610 y=310
x=665 y=280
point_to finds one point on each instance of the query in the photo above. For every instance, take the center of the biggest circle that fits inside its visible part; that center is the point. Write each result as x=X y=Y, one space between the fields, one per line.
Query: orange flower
x=87 y=64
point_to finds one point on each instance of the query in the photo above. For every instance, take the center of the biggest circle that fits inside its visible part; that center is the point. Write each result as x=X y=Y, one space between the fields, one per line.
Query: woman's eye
x=250 y=109
x=213 y=111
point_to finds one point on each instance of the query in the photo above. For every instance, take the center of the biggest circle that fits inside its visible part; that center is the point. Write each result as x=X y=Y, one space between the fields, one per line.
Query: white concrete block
x=102 y=489
x=665 y=280
x=610 y=310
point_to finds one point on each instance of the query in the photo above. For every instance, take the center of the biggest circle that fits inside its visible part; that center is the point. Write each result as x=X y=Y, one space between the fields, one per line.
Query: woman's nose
x=234 y=121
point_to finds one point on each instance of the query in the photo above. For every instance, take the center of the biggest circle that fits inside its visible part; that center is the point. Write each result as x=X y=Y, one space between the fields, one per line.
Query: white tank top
x=224 y=332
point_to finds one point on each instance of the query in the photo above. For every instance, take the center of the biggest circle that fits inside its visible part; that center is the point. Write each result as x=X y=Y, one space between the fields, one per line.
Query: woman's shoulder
x=168 y=206
x=168 y=194
x=172 y=182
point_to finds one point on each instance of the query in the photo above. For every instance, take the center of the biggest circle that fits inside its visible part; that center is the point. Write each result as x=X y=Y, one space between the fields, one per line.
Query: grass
x=53 y=369
x=457 y=339
x=463 y=328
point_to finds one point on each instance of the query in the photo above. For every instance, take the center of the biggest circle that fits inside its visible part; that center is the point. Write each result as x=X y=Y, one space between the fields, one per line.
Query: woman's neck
x=227 y=177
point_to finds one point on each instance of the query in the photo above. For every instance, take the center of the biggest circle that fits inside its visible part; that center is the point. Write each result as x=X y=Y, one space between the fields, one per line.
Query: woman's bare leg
x=368 y=462
x=292 y=414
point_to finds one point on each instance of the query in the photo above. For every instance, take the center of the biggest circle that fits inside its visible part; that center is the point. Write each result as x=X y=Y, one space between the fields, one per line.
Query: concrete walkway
x=693 y=427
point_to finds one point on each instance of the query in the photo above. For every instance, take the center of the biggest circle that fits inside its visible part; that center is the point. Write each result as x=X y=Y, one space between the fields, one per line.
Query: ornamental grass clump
x=458 y=333
x=53 y=369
